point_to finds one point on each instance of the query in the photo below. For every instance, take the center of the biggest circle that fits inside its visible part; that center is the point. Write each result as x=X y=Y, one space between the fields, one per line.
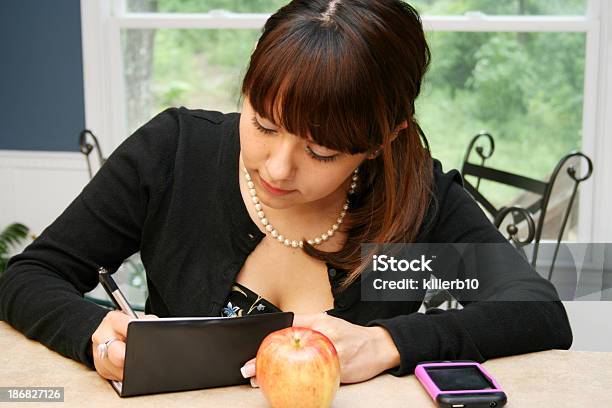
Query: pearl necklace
x=293 y=243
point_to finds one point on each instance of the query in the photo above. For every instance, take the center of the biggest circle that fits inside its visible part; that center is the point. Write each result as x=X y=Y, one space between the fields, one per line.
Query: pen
x=109 y=285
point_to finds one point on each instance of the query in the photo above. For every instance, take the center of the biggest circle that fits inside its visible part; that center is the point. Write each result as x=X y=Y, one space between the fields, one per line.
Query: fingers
x=141 y=315
x=114 y=361
x=116 y=353
x=111 y=367
x=307 y=320
x=114 y=325
x=248 y=369
x=113 y=373
x=119 y=322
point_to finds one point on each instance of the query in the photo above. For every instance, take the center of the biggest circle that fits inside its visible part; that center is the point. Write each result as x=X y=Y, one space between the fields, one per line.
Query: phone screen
x=459 y=378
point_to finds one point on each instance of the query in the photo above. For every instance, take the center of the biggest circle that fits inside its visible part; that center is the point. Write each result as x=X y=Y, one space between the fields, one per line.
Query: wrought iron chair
x=541 y=189
x=532 y=216
x=87 y=148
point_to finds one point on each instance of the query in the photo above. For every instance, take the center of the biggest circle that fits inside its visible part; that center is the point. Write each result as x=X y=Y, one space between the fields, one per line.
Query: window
x=204 y=6
x=427 y=7
x=173 y=67
x=518 y=69
x=516 y=86
x=496 y=7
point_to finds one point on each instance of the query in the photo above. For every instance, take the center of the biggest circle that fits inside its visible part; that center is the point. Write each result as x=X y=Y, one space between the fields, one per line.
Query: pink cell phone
x=460 y=384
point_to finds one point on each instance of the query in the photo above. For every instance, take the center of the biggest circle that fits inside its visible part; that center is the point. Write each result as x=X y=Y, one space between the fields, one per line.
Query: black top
x=171 y=191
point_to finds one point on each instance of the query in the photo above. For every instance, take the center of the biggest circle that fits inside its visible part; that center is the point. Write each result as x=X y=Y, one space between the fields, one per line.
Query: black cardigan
x=171 y=192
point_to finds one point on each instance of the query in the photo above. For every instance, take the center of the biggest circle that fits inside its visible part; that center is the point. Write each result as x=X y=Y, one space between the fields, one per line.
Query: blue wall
x=41 y=75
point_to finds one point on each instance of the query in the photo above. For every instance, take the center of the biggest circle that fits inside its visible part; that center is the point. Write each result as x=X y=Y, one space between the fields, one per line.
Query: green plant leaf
x=12 y=235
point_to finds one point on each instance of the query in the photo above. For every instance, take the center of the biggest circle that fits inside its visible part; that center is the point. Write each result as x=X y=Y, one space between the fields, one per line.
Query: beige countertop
x=550 y=378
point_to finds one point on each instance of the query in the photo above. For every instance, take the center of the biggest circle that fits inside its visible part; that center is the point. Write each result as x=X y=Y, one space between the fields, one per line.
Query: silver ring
x=103 y=348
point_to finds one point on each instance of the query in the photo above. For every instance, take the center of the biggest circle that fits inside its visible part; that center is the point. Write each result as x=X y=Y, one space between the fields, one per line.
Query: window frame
x=102 y=22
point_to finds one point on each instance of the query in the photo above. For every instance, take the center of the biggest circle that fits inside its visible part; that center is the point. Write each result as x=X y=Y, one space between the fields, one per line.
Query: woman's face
x=308 y=172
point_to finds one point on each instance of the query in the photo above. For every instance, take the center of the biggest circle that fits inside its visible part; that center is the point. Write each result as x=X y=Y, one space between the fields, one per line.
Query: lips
x=273 y=190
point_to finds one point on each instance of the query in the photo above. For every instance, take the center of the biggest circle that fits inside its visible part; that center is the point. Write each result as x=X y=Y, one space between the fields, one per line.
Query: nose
x=281 y=161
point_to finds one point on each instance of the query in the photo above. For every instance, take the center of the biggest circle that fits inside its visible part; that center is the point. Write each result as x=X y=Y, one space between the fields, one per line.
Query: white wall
x=591 y=323
x=35 y=187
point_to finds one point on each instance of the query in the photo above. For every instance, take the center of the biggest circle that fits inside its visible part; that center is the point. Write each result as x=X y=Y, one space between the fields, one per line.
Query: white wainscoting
x=35 y=187
x=591 y=323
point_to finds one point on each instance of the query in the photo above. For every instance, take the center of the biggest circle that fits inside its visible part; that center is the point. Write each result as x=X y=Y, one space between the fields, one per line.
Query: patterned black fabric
x=242 y=301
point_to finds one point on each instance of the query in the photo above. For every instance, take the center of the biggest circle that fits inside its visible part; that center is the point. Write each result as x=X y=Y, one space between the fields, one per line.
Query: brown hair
x=347 y=73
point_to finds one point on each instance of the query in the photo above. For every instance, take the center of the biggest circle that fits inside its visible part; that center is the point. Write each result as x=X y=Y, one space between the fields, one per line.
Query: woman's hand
x=115 y=325
x=364 y=352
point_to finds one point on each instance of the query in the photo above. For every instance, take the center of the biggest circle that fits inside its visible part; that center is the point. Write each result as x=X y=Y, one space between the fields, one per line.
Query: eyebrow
x=265 y=118
x=308 y=137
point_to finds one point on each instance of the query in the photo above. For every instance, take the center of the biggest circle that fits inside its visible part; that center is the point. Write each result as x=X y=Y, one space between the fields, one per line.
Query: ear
x=374 y=154
x=399 y=127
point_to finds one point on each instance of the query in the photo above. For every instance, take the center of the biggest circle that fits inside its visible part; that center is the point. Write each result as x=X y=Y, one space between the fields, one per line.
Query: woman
x=266 y=210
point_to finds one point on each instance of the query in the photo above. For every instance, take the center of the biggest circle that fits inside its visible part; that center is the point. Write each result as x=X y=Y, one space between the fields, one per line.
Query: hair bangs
x=307 y=82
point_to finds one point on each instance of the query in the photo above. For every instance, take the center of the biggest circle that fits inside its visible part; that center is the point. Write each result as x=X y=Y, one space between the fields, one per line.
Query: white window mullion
x=479 y=22
x=586 y=222
x=119 y=7
x=597 y=123
x=117 y=88
x=472 y=22
x=96 y=80
x=594 y=9
x=212 y=19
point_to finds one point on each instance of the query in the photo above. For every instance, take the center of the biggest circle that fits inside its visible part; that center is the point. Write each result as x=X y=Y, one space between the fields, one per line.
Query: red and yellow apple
x=298 y=367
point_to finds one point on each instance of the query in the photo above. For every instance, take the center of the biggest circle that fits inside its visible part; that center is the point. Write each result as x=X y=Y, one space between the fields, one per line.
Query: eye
x=308 y=149
x=261 y=128
x=318 y=157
